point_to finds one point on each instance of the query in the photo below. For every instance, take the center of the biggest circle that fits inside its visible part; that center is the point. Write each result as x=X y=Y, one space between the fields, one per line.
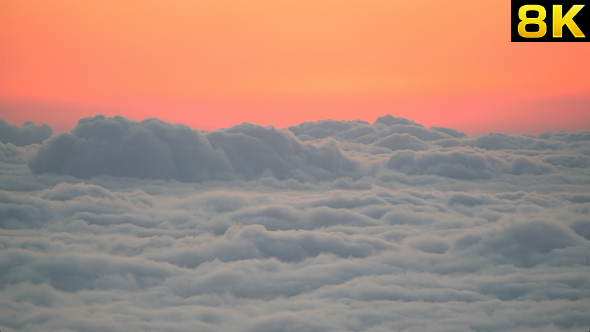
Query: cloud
x=326 y=226
x=158 y=150
x=389 y=120
x=254 y=149
x=10 y=154
x=361 y=132
x=120 y=147
x=581 y=161
x=28 y=133
x=255 y=242
x=462 y=164
x=401 y=142
x=525 y=243
x=325 y=128
x=498 y=141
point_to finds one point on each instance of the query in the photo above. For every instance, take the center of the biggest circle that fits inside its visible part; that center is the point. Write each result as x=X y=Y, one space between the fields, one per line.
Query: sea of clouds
x=325 y=226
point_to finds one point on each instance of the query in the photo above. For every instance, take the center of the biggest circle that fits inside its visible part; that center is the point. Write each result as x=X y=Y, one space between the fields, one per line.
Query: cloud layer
x=325 y=226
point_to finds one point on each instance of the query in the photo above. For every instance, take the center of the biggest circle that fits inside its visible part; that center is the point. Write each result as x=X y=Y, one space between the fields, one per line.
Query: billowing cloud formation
x=332 y=226
x=462 y=165
x=9 y=153
x=159 y=150
x=29 y=133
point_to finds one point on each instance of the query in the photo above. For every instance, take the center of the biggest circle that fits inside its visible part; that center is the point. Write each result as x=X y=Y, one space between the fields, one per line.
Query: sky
x=213 y=64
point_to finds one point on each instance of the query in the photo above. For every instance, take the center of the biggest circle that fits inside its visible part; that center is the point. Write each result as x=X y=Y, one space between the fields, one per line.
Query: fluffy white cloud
x=391 y=226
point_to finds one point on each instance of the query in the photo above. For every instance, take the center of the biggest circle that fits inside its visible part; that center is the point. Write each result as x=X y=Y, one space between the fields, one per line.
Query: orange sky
x=216 y=63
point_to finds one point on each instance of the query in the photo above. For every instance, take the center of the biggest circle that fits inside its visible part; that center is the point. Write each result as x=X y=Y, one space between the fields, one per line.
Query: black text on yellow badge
x=550 y=21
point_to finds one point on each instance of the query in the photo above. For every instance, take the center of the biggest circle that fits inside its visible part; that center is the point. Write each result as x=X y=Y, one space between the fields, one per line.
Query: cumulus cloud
x=159 y=150
x=28 y=133
x=10 y=153
x=327 y=226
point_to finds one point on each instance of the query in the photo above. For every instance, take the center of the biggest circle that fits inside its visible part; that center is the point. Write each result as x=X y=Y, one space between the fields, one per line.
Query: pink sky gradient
x=215 y=64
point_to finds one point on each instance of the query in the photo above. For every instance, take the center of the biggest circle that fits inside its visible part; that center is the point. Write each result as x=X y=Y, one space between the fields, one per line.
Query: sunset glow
x=214 y=64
